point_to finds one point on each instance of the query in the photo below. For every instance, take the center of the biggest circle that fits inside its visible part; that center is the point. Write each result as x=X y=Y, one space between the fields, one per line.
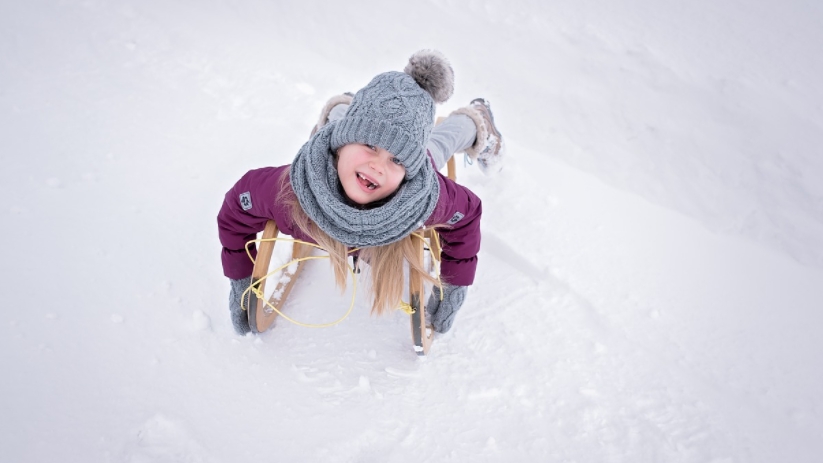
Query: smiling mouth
x=366 y=182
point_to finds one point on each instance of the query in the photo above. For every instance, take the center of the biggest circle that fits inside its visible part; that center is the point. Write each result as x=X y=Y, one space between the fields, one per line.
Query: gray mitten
x=441 y=313
x=239 y=317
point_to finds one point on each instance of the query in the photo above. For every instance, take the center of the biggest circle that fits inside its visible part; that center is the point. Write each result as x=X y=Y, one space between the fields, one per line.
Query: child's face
x=368 y=173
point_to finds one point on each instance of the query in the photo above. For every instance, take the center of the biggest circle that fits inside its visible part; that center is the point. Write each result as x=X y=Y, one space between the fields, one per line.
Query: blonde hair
x=386 y=262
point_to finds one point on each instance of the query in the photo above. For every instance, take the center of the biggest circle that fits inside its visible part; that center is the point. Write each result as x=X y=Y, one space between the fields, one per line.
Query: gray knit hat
x=395 y=111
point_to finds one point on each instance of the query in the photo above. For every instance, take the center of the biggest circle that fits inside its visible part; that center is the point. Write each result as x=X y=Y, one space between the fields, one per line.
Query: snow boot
x=488 y=149
x=330 y=105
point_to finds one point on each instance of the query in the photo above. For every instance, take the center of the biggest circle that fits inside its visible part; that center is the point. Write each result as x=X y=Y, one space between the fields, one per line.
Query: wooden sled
x=261 y=316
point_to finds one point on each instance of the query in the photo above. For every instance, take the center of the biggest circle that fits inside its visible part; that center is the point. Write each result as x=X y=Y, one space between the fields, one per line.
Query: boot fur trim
x=324 y=114
x=482 y=131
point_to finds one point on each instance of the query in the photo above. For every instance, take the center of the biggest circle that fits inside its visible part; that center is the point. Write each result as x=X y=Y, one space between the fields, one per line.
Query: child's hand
x=441 y=313
x=239 y=317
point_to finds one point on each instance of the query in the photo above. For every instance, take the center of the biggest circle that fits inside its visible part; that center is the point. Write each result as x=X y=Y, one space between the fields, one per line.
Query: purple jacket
x=252 y=202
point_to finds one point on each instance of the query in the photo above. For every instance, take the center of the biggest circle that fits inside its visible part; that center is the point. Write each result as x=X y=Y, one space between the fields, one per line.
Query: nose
x=378 y=164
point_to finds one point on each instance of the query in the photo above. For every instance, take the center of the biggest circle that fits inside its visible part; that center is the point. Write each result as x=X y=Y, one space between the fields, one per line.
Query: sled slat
x=261 y=268
x=421 y=337
x=284 y=286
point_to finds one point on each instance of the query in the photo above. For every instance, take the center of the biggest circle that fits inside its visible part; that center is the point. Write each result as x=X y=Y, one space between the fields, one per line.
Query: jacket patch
x=245 y=200
x=455 y=218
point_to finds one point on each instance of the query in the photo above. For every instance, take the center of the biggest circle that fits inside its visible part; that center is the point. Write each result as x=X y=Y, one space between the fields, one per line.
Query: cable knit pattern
x=394 y=113
x=315 y=182
x=442 y=313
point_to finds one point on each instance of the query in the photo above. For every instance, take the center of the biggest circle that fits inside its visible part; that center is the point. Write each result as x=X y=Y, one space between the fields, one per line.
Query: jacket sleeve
x=458 y=212
x=247 y=206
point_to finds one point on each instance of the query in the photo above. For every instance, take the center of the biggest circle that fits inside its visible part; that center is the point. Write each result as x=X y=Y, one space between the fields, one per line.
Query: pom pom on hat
x=433 y=73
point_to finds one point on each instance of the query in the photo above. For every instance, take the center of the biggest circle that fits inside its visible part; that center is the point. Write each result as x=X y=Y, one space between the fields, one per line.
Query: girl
x=367 y=178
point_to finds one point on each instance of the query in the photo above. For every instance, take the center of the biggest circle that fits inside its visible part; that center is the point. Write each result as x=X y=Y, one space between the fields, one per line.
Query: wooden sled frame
x=261 y=316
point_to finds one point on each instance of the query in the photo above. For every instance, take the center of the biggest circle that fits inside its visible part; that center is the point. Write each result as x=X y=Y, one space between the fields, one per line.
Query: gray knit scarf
x=315 y=181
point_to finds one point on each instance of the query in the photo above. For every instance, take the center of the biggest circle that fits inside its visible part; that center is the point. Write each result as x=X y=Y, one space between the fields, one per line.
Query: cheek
x=343 y=164
x=397 y=177
x=344 y=158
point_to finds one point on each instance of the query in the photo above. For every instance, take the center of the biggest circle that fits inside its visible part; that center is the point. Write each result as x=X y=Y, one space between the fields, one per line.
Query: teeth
x=371 y=185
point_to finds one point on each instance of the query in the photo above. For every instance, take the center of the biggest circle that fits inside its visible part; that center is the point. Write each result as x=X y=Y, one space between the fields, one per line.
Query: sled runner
x=261 y=316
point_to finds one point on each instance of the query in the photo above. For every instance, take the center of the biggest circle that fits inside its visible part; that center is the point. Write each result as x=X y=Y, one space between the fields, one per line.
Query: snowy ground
x=652 y=262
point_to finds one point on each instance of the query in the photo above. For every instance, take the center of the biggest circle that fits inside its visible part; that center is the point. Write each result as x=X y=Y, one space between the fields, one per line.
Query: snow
x=652 y=264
